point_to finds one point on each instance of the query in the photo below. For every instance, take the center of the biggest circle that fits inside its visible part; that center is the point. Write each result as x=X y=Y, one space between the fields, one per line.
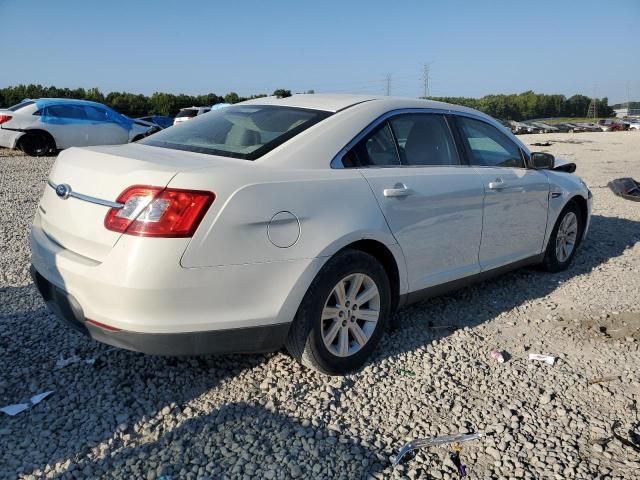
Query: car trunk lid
x=97 y=176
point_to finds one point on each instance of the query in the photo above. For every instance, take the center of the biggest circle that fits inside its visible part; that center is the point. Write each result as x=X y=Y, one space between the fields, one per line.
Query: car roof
x=43 y=102
x=335 y=102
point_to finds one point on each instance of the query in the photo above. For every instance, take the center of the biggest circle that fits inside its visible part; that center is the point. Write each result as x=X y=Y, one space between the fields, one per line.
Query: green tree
x=282 y=93
x=231 y=97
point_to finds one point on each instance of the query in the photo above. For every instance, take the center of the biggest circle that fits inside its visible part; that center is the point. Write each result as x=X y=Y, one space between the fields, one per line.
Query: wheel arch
x=580 y=201
x=36 y=130
x=382 y=254
x=388 y=254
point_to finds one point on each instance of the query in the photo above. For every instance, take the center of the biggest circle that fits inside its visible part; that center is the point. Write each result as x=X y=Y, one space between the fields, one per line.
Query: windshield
x=245 y=132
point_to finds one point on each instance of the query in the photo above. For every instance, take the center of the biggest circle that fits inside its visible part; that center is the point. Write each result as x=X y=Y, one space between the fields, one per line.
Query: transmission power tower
x=388 y=80
x=425 y=80
x=592 y=112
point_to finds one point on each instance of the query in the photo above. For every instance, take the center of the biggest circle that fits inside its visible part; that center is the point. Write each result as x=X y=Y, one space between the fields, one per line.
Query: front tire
x=564 y=240
x=342 y=316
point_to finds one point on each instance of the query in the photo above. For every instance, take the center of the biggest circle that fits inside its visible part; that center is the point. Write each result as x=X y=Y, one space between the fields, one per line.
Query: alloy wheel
x=350 y=315
x=566 y=237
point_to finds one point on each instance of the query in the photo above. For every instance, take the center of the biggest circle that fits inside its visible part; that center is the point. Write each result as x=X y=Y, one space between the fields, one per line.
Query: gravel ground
x=133 y=416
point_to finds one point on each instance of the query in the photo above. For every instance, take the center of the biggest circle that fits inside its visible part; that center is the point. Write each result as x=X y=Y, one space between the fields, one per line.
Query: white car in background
x=303 y=221
x=43 y=126
x=634 y=125
x=188 y=113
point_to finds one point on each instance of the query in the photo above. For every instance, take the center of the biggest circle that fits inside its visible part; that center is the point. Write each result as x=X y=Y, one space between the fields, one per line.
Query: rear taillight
x=159 y=212
x=5 y=118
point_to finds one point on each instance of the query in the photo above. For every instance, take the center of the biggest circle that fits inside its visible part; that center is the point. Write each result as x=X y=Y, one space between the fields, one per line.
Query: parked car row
x=46 y=125
x=43 y=126
x=603 y=125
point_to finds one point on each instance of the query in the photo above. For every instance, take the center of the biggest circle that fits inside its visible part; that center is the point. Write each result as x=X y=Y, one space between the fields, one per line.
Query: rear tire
x=564 y=240
x=37 y=144
x=342 y=316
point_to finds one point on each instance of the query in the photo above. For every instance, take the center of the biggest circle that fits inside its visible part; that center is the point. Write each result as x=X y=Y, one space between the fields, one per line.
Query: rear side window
x=377 y=149
x=487 y=146
x=21 y=105
x=187 y=113
x=66 y=111
x=424 y=139
x=245 y=132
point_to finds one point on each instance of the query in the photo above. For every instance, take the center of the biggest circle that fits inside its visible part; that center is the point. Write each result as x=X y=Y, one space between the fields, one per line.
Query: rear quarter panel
x=333 y=208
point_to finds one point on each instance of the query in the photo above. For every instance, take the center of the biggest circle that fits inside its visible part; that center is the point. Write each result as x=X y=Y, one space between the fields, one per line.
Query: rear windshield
x=245 y=132
x=187 y=113
x=21 y=105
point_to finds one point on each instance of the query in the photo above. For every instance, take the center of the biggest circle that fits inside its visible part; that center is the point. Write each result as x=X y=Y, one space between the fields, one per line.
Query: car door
x=67 y=124
x=103 y=127
x=516 y=197
x=432 y=204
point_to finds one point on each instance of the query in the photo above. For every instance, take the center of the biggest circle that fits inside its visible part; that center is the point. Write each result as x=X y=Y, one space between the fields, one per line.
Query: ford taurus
x=301 y=222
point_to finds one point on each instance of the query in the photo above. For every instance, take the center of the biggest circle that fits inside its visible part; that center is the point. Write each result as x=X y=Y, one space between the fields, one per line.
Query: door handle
x=497 y=184
x=399 y=190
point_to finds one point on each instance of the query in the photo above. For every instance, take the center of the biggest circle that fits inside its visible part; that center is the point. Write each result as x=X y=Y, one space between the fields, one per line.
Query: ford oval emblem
x=63 y=191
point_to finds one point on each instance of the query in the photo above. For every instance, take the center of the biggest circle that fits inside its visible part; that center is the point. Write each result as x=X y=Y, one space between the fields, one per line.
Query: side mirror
x=542 y=161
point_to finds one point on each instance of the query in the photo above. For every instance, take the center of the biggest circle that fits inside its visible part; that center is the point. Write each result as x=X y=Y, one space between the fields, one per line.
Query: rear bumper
x=9 y=138
x=267 y=338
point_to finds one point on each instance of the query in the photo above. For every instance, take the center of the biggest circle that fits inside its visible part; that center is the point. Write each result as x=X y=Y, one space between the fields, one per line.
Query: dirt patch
x=616 y=326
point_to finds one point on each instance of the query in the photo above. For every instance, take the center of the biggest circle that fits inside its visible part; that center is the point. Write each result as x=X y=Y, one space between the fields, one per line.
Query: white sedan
x=43 y=126
x=301 y=221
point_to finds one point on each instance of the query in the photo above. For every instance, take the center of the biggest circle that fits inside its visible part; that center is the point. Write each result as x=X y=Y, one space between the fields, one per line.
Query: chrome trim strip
x=87 y=198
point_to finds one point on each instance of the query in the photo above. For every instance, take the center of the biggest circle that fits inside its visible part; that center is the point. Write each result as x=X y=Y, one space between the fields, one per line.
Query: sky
x=472 y=48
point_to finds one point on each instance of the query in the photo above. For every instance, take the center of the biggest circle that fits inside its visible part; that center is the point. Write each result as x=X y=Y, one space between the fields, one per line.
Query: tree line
x=522 y=106
x=530 y=105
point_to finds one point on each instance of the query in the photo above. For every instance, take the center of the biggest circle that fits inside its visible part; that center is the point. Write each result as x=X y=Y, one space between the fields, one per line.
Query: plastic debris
x=15 y=409
x=63 y=362
x=429 y=442
x=626 y=188
x=12 y=410
x=406 y=372
x=497 y=356
x=548 y=359
x=36 y=399
x=454 y=456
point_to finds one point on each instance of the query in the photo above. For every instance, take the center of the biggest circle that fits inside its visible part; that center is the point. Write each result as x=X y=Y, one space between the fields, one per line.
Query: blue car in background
x=46 y=125
x=162 y=121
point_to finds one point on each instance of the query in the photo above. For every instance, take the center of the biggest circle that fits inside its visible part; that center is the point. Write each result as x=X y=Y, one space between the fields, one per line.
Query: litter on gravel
x=63 y=362
x=548 y=359
x=432 y=441
x=15 y=409
x=626 y=188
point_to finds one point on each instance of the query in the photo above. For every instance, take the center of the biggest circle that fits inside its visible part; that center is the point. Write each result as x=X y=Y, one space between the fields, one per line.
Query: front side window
x=487 y=146
x=245 y=132
x=424 y=139
x=96 y=114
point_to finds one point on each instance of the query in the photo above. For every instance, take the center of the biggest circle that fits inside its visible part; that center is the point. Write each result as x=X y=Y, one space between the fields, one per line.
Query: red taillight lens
x=5 y=118
x=158 y=212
